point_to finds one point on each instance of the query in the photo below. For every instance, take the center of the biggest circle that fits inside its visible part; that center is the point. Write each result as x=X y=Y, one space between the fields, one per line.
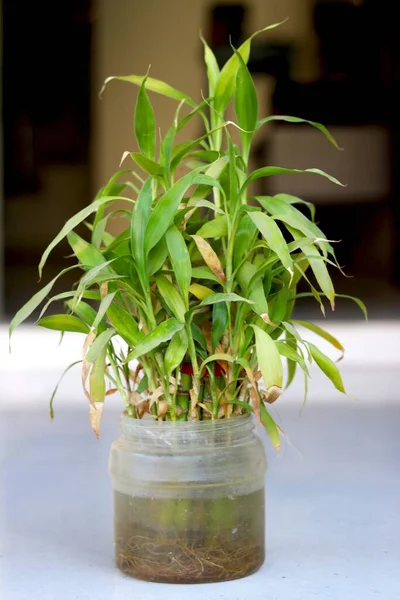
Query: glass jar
x=188 y=499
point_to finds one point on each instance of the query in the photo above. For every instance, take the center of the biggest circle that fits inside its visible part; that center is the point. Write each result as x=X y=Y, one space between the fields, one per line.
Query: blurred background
x=333 y=61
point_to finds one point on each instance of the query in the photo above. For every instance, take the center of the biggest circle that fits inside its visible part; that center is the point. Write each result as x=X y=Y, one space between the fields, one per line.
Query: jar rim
x=148 y=423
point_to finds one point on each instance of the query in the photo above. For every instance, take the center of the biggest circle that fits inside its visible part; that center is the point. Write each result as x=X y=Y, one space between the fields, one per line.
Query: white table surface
x=333 y=496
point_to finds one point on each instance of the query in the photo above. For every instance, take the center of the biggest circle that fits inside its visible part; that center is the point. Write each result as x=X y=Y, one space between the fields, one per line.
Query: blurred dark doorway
x=46 y=117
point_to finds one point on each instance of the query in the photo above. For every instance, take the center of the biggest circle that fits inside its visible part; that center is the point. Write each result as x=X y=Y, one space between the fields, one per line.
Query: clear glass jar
x=188 y=499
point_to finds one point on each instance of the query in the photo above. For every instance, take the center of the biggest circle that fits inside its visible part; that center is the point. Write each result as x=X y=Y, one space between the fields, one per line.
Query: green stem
x=165 y=384
x=131 y=410
x=193 y=358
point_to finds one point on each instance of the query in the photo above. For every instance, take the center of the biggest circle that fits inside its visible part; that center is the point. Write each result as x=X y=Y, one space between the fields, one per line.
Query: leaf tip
x=103 y=87
x=95 y=414
x=124 y=155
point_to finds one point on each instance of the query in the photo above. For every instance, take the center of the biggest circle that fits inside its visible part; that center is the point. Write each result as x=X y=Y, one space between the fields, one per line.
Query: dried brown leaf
x=255 y=400
x=206 y=408
x=156 y=395
x=206 y=329
x=95 y=414
x=222 y=363
x=133 y=375
x=104 y=289
x=136 y=399
x=162 y=408
x=86 y=365
x=266 y=319
x=271 y=394
x=111 y=391
x=210 y=257
x=142 y=409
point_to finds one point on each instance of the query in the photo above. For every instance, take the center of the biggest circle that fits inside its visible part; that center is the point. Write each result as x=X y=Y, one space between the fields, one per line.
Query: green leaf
x=234 y=185
x=214 y=171
x=145 y=127
x=321 y=274
x=157 y=257
x=171 y=297
x=278 y=305
x=204 y=273
x=200 y=291
x=243 y=239
x=270 y=427
x=154 y=85
x=112 y=188
x=291 y=364
x=225 y=86
x=211 y=182
x=289 y=352
x=219 y=323
x=99 y=344
x=86 y=253
x=139 y=220
x=274 y=238
x=175 y=352
x=256 y=294
x=230 y=297
x=99 y=234
x=63 y=323
x=167 y=144
x=97 y=384
x=216 y=357
x=198 y=110
x=151 y=167
x=321 y=332
x=322 y=128
x=124 y=324
x=359 y=302
x=185 y=148
x=198 y=335
x=215 y=228
x=327 y=366
x=164 y=212
x=281 y=207
x=162 y=333
x=75 y=221
x=51 y=410
x=319 y=269
x=94 y=275
x=180 y=261
x=294 y=200
x=268 y=358
x=90 y=294
x=103 y=308
x=84 y=311
x=268 y=171
x=246 y=104
x=212 y=66
x=143 y=385
x=208 y=156
x=200 y=203
x=292 y=335
x=34 y=302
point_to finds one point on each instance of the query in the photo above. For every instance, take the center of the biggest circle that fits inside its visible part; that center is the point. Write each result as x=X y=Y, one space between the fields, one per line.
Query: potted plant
x=187 y=313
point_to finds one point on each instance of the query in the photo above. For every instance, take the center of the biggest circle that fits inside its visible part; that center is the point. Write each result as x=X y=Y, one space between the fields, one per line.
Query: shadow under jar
x=188 y=499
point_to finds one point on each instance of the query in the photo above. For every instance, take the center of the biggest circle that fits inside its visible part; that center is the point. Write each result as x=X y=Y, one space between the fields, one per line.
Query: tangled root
x=157 y=557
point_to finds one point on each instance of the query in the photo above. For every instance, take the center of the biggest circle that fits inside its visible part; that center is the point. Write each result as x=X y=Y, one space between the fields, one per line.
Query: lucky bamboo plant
x=188 y=312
